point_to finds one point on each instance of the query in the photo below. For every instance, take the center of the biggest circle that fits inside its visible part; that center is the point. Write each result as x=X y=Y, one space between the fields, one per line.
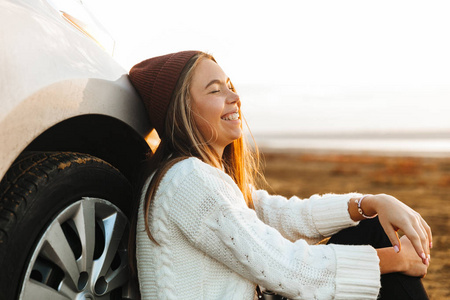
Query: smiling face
x=215 y=105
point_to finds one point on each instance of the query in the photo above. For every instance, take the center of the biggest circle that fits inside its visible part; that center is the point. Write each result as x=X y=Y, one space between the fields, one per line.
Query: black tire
x=47 y=200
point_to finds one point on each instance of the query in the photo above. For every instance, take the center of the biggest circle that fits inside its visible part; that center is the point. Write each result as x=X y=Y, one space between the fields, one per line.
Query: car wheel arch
x=98 y=135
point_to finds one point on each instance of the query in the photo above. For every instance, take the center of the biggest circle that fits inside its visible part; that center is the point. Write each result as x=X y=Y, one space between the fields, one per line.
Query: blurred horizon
x=385 y=119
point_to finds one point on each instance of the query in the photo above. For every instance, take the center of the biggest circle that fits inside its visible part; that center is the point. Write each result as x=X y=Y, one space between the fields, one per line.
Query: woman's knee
x=368 y=232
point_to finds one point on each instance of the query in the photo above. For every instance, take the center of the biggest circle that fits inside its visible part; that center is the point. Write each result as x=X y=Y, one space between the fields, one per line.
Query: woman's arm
x=310 y=219
x=395 y=215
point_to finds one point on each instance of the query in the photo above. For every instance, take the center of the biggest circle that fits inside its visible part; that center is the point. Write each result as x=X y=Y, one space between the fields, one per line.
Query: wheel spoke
x=114 y=226
x=35 y=290
x=57 y=249
x=85 y=223
x=117 y=278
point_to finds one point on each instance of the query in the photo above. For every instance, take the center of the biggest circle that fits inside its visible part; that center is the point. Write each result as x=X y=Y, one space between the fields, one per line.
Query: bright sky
x=295 y=42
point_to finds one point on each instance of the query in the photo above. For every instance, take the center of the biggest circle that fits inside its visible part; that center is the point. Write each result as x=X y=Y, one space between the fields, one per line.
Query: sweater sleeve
x=211 y=213
x=310 y=219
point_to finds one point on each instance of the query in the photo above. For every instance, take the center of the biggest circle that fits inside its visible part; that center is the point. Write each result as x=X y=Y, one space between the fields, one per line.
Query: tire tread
x=36 y=187
x=23 y=178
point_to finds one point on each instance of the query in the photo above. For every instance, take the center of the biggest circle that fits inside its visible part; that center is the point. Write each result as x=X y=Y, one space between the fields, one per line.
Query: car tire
x=64 y=229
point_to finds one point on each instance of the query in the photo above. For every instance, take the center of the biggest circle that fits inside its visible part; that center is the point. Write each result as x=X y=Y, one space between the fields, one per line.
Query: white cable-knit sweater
x=212 y=246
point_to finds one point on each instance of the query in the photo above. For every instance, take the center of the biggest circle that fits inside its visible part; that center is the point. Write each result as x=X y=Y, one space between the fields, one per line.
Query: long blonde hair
x=182 y=139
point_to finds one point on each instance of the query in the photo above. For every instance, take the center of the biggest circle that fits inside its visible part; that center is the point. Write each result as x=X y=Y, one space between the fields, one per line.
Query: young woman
x=204 y=231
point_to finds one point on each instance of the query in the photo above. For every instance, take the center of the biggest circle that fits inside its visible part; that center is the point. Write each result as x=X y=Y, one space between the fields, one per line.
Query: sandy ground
x=422 y=183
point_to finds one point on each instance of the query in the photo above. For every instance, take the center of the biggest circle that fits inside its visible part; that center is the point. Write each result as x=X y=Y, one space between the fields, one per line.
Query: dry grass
x=422 y=183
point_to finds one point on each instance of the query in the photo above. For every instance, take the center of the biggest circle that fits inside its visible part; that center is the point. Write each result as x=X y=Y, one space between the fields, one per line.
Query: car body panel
x=50 y=72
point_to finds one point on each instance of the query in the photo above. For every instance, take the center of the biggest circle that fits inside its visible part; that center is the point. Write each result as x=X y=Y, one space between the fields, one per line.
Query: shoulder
x=191 y=170
x=196 y=174
x=190 y=165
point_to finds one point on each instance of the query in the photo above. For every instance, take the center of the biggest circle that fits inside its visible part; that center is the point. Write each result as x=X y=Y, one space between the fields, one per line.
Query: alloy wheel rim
x=81 y=255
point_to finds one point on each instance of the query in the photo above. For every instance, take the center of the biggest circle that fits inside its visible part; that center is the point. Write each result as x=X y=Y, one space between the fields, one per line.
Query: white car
x=72 y=132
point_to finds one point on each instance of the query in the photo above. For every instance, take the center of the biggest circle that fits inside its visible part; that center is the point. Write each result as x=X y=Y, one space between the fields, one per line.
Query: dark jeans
x=394 y=285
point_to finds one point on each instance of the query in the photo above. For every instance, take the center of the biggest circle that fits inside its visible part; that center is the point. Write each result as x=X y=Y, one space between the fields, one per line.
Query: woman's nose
x=233 y=97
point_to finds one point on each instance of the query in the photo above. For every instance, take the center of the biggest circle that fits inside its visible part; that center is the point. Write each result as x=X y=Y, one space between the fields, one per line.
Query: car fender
x=64 y=100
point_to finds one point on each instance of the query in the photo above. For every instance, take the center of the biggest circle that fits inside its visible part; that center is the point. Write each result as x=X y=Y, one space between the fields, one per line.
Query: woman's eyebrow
x=218 y=81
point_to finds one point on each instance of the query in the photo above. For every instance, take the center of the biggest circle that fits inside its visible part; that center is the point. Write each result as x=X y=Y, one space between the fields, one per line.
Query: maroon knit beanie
x=155 y=80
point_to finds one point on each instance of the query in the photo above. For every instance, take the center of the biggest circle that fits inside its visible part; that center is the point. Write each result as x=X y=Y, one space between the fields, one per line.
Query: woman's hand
x=394 y=215
x=413 y=266
x=406 y=262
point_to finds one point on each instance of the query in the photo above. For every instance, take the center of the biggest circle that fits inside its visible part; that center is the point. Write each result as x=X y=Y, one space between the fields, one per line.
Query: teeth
x=234 y=116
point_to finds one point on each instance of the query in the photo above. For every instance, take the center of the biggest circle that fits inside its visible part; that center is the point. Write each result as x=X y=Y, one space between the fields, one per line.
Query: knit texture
x=212 y=246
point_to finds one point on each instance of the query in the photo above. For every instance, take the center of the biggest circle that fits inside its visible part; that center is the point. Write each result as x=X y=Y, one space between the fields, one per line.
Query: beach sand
x=421 y=182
